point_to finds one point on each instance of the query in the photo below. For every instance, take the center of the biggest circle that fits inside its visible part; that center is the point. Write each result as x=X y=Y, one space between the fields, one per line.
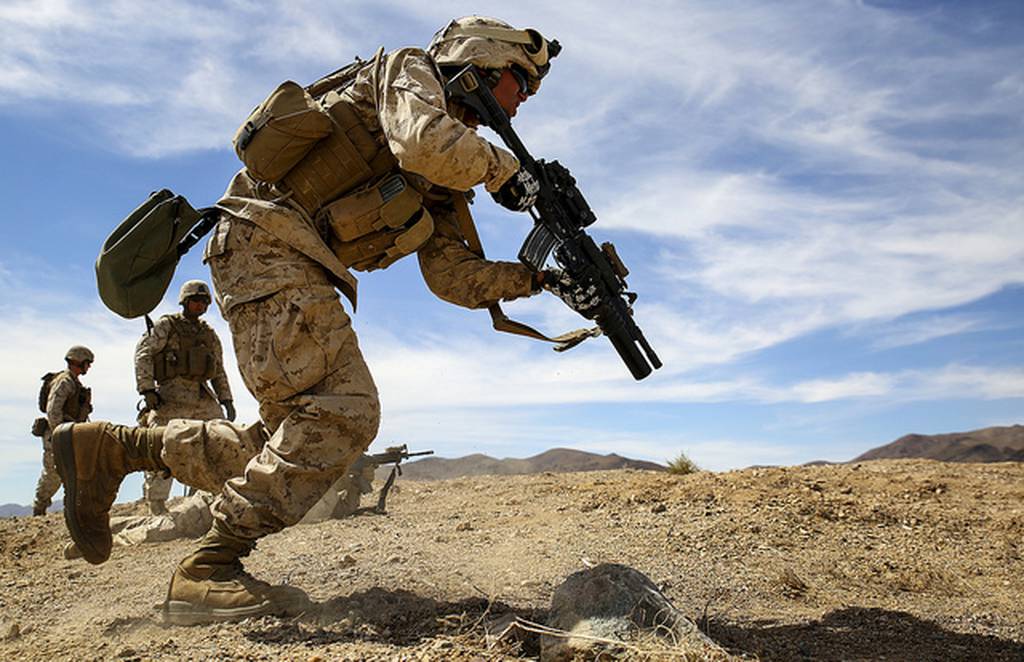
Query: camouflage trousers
x=300 y=358
x=49 y=480
x=196 y=404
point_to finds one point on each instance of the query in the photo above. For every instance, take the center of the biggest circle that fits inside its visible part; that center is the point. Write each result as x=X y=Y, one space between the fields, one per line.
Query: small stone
x=9 y=630
x=464 y=526
x=659 y=508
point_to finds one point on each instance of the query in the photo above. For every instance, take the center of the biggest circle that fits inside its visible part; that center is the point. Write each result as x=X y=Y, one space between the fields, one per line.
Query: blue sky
x=821 y=204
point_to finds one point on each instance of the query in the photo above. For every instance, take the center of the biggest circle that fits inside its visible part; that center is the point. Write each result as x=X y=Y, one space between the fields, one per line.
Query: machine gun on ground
x=560 y=215
x=392 y=455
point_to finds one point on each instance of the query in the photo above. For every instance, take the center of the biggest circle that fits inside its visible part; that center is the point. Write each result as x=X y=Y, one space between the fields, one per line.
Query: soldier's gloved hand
x=153 y=400
x=229 y=409
x=519 y=192
x=583 y=301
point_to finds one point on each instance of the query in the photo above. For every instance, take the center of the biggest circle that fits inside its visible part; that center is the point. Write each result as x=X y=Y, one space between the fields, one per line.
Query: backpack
x=44 y=390
x=138 y=259
x=281 y=131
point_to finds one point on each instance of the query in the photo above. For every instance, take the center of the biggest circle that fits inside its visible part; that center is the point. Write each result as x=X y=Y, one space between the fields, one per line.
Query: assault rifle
x=560 y=215
x=391 y=455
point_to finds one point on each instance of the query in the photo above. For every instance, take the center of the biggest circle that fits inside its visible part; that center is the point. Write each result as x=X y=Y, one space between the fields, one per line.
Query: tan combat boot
x=210 y=585
x=92 y=460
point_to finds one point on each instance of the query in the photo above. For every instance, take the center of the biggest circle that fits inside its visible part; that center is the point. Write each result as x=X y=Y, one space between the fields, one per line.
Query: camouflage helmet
x=79 y=354
x=493 y=44
x=193 y=288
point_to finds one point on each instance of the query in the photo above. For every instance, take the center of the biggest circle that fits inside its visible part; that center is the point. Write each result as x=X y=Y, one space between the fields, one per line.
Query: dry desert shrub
x=682 y=465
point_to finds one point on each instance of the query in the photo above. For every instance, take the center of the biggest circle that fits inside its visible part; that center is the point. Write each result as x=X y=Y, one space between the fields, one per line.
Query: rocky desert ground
x=889 y=559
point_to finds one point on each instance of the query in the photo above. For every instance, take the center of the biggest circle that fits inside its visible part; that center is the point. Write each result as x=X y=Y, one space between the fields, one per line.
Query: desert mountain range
x=995 y=444
x=557 y=460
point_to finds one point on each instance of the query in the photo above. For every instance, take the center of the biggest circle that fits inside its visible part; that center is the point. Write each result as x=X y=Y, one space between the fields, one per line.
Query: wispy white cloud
x=906 y=332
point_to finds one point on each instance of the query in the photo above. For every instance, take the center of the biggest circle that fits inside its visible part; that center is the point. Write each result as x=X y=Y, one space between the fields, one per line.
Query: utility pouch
x=40 y=426
x=280 y=132
x=165 y=366
x=199 y=364
x=375 y=226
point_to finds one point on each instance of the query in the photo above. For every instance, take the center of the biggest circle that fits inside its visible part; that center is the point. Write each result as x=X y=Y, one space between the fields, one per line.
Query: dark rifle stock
x=560 y=215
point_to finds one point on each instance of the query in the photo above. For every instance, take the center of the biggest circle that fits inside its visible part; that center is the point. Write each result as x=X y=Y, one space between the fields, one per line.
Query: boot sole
x=176 y=612
x=64 y=456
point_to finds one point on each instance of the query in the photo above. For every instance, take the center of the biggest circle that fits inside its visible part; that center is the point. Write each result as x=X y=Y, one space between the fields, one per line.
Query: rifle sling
x=499 y=320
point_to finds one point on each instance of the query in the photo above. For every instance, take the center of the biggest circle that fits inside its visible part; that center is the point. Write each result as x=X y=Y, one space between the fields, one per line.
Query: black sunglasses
x=522 y=79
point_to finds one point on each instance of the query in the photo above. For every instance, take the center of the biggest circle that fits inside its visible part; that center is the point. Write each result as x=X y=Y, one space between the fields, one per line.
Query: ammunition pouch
x=375 y=226
x=40 y=426
x=195 y=364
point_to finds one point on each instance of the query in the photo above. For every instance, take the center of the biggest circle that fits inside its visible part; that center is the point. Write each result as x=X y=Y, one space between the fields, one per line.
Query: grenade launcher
x=560 y=215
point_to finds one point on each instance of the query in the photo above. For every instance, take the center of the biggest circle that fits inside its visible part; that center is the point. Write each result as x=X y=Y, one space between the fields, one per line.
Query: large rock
x=615 y=602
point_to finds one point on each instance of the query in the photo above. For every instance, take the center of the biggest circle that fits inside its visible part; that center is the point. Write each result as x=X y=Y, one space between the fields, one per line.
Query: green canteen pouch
x=137 y=261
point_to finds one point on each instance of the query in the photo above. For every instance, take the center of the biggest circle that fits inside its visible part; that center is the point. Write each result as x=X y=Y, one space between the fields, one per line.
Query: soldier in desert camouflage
x=179 y=370
x=66 y=401
x=278 y=257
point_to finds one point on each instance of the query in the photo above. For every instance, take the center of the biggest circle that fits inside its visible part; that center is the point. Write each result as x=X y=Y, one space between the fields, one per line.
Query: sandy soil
x=898 y=560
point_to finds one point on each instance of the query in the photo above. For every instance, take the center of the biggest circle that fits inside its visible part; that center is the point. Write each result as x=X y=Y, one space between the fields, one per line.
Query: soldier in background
x=64 y=400
x=176 y=364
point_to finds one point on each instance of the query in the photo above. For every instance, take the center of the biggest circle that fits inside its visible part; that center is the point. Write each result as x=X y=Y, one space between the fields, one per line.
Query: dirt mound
x=894 y=559
x=995 y=444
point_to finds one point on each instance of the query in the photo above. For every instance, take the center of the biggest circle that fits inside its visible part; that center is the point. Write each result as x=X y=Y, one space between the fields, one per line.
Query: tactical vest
x=193 y=358
x=79 y=403
x=367 y=210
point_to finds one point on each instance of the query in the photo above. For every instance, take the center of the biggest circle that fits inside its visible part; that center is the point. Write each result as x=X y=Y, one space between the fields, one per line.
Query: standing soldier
x=173 y=363
x=64 y=400
x=390 y=179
